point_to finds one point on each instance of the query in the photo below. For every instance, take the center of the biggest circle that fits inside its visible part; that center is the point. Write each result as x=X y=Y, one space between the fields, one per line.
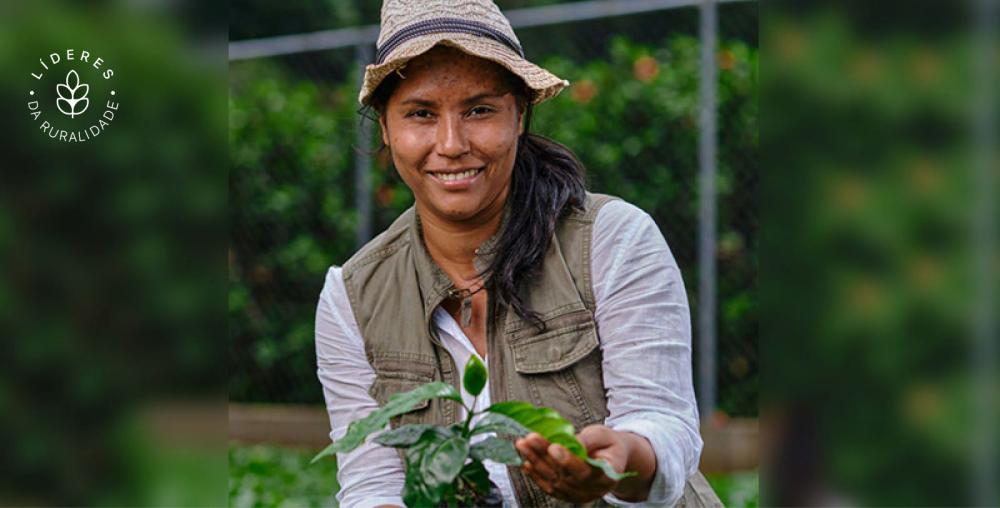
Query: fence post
x=362 y=160
x=707 y=212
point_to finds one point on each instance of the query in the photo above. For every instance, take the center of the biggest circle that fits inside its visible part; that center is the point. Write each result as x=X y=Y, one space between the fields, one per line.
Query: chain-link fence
x=306 y=188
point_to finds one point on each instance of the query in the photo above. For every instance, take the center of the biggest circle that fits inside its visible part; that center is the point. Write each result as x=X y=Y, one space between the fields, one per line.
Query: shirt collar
x=434 y=283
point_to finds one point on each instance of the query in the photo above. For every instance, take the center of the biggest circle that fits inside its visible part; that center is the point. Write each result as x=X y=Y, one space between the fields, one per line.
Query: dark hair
x=548 y=181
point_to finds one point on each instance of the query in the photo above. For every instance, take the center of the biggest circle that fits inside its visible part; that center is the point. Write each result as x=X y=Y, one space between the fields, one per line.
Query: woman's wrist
x=641 y=460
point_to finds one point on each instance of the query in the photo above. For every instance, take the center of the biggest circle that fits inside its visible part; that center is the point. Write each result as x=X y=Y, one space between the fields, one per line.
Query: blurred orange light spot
x=726 y=60
x=646 y=69
x=384 y=195
x=583 y=91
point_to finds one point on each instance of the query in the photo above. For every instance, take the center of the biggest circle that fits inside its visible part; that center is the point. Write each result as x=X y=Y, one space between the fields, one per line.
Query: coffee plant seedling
x=442 y=466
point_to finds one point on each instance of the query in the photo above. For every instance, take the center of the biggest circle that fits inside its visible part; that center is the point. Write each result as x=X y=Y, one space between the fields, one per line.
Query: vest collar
x=434 y=283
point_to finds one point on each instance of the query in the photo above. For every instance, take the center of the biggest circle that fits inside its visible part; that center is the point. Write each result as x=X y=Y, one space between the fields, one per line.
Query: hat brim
x=543 y=83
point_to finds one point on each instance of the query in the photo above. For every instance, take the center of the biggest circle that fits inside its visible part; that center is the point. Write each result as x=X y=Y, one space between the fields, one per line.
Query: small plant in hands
x=442 y=466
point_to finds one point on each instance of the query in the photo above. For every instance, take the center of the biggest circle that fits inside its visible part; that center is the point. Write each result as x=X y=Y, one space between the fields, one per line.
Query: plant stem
x=468 y=420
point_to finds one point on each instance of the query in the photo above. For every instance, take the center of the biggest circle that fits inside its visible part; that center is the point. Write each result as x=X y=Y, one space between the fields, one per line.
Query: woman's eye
x=480 y=110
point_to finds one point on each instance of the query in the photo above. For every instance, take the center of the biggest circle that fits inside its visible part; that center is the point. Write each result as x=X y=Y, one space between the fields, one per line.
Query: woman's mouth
x=455 y=180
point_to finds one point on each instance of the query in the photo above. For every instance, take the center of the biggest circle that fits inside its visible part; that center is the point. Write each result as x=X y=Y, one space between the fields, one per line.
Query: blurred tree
x=102 y=311
x=870 y=346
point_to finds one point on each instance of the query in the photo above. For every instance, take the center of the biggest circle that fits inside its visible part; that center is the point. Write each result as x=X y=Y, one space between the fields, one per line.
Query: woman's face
x=452 y=126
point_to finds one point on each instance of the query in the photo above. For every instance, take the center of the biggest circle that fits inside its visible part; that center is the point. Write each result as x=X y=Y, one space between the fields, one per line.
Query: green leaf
x=404 y=436
x=475 y=376
x=404 y=402
x=476 y=475
x=416 y=493
x=549 y=426
x=526 y=413
x=569 y=442
x=546 y=422
x=443 y=462
x=414 y=490
x=430 y=465
x=499 y=423
x=607 y=469
x=397 y=404
x=554 y=428
x=497 y=450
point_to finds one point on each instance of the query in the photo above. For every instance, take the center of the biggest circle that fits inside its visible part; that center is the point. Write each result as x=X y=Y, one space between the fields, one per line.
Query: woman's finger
x=543 y=483
x=579 y=481
x=537 y=443
x=540 y=446
x=571 y=465
x=527 y=451
x=541 y=463
x=545 y=470
x=524 y=448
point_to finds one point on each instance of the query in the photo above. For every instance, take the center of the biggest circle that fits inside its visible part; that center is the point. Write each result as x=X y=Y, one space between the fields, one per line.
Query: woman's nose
x=452 y=140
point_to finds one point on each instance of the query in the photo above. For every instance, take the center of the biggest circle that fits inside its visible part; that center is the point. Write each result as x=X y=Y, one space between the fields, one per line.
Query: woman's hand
x=561 y=474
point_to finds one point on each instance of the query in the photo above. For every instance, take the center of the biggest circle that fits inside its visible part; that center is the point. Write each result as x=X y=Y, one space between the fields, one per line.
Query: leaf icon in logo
x=72 y=94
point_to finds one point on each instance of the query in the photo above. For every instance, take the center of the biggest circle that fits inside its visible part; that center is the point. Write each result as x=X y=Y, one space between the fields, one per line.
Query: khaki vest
x=394 y=286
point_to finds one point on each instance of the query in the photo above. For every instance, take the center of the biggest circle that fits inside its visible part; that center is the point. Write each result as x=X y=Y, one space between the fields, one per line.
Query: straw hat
x=411 y=27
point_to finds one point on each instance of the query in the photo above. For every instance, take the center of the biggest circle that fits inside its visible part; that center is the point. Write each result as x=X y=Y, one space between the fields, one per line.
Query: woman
x=572 y=299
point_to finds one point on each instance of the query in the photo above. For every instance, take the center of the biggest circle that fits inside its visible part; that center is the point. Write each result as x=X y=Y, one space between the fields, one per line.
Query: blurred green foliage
x=868 y=356
x=262 y=476
x=102 y=311
x=737 y=490
x=631 y=118
x=292 y=214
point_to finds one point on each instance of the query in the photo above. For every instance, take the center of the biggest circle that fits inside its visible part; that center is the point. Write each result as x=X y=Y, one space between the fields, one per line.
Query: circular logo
x=66 y=84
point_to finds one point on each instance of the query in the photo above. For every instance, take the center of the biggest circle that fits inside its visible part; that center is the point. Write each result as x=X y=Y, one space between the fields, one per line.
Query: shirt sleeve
x=644 y=324
x=371 y=475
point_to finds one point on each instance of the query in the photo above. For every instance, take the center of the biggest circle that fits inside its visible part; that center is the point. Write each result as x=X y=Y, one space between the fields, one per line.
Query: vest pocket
x=396 y=375
x=561 y=367
x=386 y=386
x=554 y=350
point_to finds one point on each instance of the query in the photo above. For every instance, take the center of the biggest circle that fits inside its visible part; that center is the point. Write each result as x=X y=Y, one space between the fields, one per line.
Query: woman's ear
x=385 y=131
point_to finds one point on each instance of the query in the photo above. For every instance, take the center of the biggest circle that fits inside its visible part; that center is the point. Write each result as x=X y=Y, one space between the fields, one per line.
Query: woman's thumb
x=595 y=437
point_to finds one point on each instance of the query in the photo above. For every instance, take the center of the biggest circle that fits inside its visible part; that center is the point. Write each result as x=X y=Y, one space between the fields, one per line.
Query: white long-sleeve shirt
x=644 y=326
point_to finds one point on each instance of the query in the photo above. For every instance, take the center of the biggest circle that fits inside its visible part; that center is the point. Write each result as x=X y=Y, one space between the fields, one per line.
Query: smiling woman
x=452 y=127
x=455 y=125
x=572 y=299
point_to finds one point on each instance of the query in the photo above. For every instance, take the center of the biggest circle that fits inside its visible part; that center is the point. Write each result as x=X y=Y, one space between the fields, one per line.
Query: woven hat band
x=441 y=25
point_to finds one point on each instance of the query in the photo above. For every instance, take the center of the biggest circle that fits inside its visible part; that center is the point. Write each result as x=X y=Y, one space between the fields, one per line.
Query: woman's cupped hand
x=561 y=474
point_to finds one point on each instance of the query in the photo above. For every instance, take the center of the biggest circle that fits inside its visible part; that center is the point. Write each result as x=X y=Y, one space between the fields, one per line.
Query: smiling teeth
x=451 y=177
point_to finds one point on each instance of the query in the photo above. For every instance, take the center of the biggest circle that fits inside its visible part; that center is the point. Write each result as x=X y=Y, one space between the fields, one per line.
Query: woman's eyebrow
x=481 y=96
x=418 y=102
